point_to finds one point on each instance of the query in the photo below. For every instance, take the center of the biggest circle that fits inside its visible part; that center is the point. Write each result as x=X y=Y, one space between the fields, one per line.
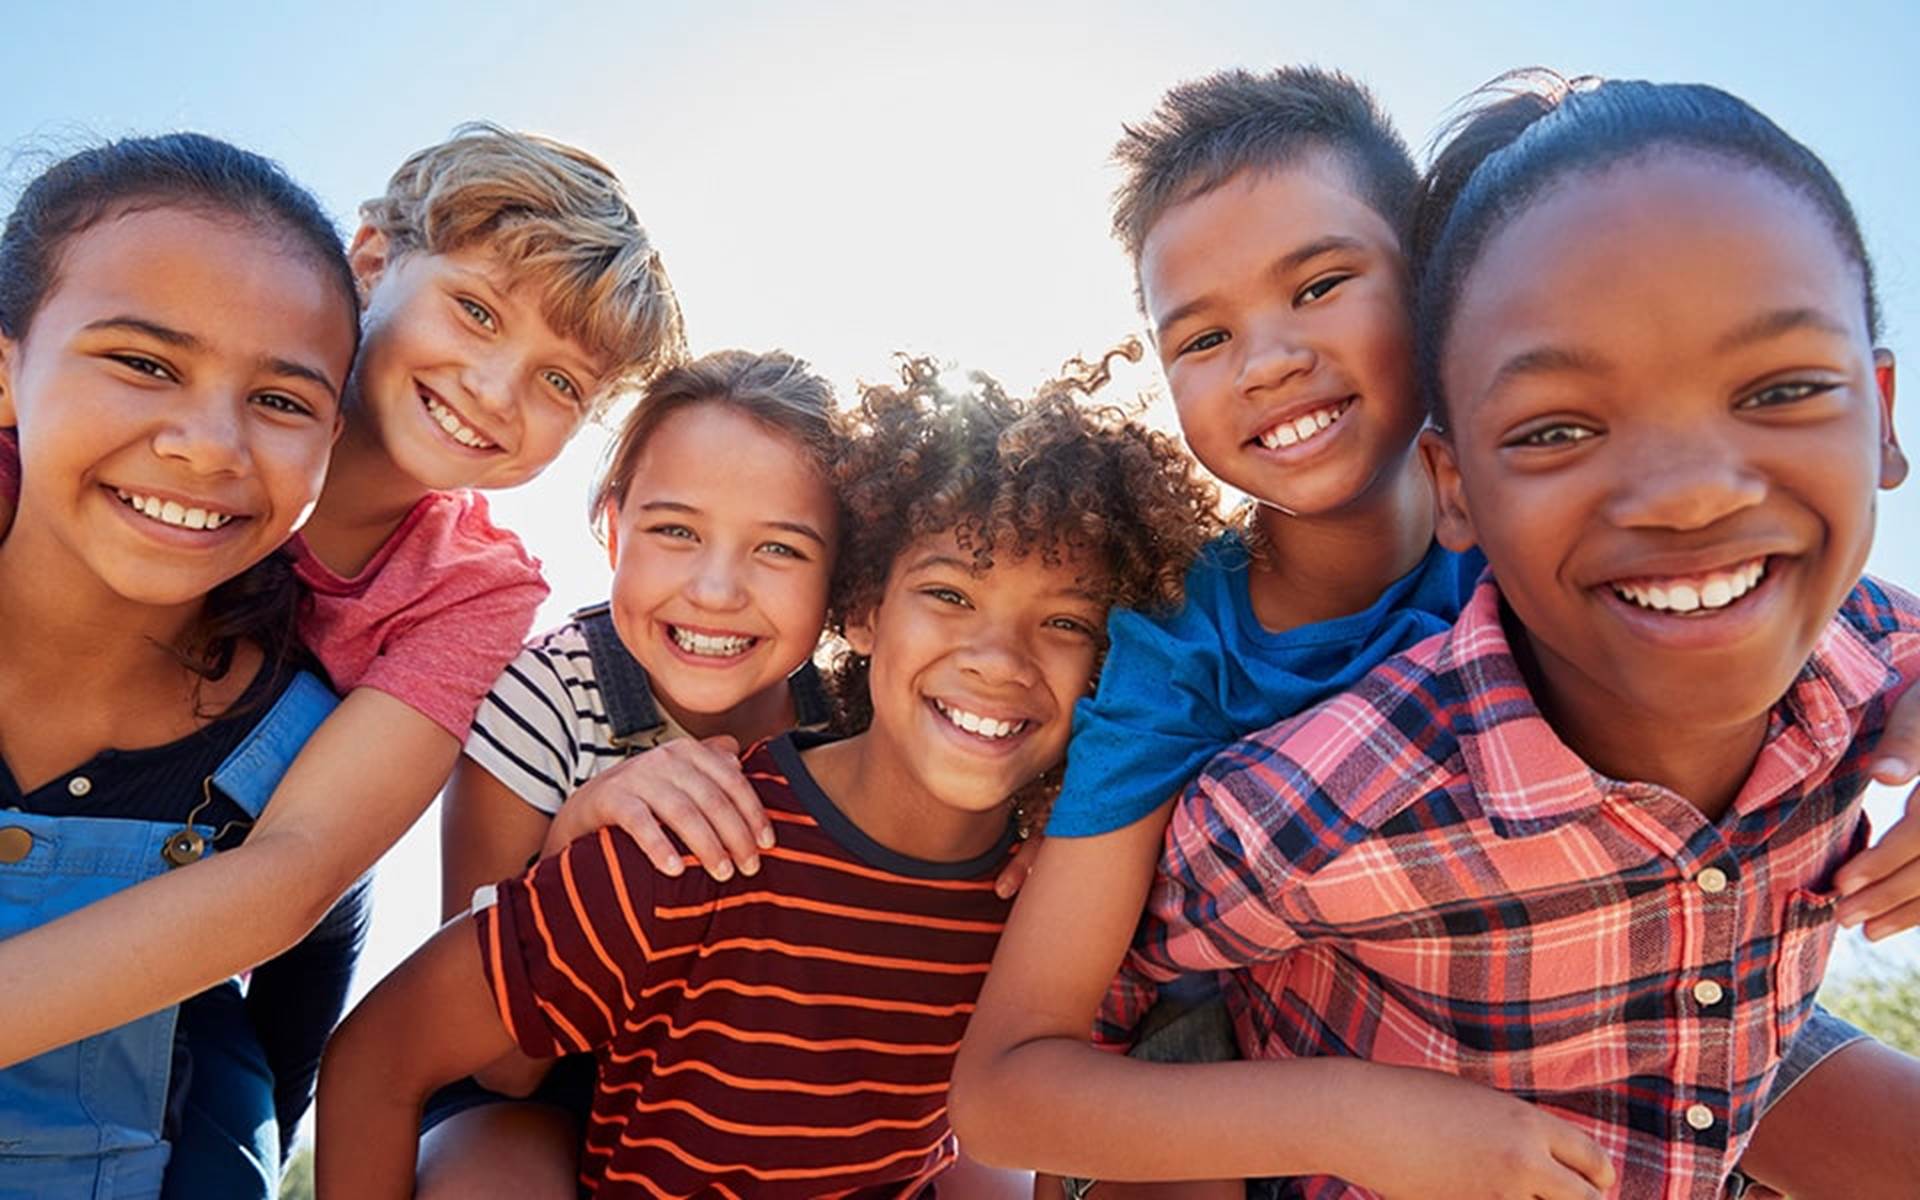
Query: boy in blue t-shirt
x=1265 y=217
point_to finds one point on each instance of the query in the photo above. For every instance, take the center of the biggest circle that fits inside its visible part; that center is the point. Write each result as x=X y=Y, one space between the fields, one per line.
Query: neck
x=869 y=781
x=759 y=716
x=365 y=498
x=1323 y=566
x=1705 y=764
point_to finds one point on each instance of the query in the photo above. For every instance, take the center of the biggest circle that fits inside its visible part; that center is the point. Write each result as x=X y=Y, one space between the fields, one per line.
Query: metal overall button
x=184 y=846
x=15 y=844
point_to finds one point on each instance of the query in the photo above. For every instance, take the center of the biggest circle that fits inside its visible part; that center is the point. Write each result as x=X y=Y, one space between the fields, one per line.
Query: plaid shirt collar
x=1530 y=781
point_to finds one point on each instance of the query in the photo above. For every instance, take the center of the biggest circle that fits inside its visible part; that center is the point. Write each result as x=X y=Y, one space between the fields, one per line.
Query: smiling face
x=719 y=589
x=1667 y=429
x=1279 y=308
x=974 y=675
x=177 y=396
x=459 y=373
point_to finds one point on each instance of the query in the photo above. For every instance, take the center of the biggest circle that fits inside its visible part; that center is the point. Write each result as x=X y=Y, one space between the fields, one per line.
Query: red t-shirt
x=786 y=1034
x=434 y=618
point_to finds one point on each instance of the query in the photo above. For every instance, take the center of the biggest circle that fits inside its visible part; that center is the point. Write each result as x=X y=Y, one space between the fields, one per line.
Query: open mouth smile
x=172 y=512
x=715 y=646
x=1305 y=427
x=450 y=421
x=1704 y=593
x=990 y=729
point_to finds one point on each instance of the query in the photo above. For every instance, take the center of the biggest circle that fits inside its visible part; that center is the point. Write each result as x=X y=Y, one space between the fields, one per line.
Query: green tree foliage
x=1884 y=1000
x=296 y=1182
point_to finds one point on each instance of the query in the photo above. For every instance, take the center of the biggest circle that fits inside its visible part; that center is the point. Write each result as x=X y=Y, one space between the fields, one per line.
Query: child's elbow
x=972 y=1113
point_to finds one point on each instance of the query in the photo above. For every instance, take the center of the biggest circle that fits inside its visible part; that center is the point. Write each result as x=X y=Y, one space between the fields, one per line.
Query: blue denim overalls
x=84 y=1121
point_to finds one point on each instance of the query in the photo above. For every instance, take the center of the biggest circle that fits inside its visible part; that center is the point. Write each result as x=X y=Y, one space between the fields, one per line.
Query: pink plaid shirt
x=1420 y=872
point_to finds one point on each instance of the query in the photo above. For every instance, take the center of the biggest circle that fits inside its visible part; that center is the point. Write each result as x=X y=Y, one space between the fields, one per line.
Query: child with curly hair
x=792 y=1032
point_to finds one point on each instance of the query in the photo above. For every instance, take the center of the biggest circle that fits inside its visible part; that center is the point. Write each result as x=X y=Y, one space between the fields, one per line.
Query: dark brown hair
x=1051 y=475
x=199 y=173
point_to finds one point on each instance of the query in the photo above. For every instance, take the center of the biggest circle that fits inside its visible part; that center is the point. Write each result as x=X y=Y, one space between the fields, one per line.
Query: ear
x=610 y=515
x=860 y=632
x=9 y=352
x=1893 y=462
x=367 y=254
x=1453 y=524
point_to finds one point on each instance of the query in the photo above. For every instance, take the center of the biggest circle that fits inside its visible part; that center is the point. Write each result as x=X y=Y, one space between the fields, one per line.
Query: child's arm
x=431 y=1021
x=1030 y=1091
x=365 y=775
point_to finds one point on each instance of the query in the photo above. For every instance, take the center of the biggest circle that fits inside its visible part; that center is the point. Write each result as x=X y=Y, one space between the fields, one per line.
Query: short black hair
x=1205 y=131
x=1533 y=128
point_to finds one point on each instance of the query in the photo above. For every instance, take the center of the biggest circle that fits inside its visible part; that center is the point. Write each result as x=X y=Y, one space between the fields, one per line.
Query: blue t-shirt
x=1177 y=689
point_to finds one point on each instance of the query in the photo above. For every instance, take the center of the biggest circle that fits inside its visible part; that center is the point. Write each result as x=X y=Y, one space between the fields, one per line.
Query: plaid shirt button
x=1700 y=1117
x=1708 y=993
x=1712 y=881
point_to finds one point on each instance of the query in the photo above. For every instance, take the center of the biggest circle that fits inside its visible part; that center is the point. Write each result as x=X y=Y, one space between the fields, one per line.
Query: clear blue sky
x=844 y=181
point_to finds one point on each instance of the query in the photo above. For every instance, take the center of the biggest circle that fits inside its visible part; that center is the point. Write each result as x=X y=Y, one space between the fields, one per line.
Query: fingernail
x=751 y=866
x=765 y=839
x=1003 y=889
x=1892 y=769
x=674 y=866
x=723 y=870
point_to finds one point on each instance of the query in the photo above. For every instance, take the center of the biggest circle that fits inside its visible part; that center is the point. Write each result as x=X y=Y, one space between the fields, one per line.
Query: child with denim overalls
x=175 y=386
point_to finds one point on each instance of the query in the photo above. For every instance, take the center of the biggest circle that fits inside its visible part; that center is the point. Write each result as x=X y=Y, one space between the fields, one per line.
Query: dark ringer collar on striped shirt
x=786 y=753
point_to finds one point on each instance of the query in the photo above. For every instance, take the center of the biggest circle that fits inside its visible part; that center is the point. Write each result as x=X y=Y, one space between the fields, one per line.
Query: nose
x=995 y=652
x=206 y=431
x=1685 y=481
x=1276 y=354
x=717 y=584
x=488 y=380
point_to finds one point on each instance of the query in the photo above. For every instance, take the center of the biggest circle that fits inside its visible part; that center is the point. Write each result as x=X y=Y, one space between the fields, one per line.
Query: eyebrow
x=797 y=527
x=1545 y=360
x=1287 y=263
x=939 y=560
x=1781 y=321
x=182 y=340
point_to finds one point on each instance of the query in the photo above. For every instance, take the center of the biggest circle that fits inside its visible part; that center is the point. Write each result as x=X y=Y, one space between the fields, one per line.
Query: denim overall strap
x=253 y=770
x=631 y=708
x=84 y=1120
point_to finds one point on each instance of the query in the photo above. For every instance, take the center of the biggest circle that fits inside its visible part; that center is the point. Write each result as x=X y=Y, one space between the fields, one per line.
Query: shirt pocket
x=1806 y=939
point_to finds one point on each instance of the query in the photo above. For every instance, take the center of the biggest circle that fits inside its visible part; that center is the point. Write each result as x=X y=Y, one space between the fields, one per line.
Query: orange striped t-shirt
x=785 y=1034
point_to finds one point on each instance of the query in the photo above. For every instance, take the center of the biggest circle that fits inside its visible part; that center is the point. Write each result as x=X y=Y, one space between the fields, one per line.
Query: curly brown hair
x=1051 y=475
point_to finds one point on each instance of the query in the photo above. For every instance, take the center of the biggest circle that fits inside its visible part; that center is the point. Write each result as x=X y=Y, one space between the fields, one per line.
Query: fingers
x=1896 y=890
x=1898 y=756
x=1899 y=847
x=653 y=843
x=1900 y=919
x=1016 y=871
x=1583 y=1156
x=723 y=767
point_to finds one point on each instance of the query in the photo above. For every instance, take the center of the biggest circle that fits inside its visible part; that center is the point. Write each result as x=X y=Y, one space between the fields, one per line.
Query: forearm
x=1067 y=1108
x=121 y=957
x=428 y=1023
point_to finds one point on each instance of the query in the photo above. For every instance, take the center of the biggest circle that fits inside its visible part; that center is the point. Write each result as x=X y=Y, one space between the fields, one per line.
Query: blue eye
x=560 y=383
x=481 y=314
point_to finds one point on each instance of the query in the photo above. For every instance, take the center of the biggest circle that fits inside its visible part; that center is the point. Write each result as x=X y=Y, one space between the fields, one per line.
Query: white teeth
x=1713 y=591
x=172 y=512
x=459 y=430
x=712 y=647
x=974 y=723
x=1289 y=433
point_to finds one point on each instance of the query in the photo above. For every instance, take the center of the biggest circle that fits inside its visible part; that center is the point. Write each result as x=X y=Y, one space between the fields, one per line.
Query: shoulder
x=455 y=531
x=1339 y=771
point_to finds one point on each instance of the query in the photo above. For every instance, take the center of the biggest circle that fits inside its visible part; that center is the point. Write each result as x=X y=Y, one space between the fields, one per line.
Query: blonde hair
x=773 y=388
x=555 y=214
